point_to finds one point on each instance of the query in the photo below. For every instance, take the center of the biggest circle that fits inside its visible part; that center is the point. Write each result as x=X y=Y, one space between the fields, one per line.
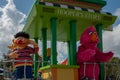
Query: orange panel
x=54 y=74
x=65 y=74
x=75 y=74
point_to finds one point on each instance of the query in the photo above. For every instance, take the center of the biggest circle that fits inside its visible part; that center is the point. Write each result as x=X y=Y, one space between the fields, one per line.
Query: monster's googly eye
x=90 y=33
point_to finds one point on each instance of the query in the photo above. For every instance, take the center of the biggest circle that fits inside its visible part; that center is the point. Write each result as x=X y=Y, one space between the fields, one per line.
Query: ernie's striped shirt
x=24 y=58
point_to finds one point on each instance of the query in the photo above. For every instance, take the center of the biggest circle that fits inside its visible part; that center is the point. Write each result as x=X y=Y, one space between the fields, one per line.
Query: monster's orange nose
x=93 y=37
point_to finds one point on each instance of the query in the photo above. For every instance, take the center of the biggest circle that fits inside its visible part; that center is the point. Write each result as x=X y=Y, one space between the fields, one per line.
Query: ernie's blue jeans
x=24 y=71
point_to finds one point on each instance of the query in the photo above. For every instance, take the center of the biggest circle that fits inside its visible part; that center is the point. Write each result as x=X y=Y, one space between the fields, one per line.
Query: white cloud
x=10 y=23
x=117 y=12
x=62 y=51
x=111 y=40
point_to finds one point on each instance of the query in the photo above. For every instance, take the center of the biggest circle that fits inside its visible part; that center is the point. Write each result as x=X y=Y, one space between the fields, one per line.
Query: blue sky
x=13 y=14
x=112 y=6
x=24 y=5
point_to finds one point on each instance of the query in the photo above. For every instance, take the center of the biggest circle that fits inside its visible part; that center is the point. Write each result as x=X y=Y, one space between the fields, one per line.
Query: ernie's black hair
x=22 y=34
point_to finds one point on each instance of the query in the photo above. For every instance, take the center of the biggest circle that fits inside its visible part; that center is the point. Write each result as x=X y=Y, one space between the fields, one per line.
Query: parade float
x=64 y=21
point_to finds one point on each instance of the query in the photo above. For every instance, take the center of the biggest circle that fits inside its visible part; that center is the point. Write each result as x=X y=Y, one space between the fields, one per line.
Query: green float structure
x=64 y=21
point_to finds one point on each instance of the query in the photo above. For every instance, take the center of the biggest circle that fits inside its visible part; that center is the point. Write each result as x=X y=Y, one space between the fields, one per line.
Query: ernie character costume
x=21 y=52
x=89 y=55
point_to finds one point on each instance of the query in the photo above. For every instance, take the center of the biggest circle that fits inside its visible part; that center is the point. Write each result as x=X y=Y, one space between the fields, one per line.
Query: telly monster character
x=89 y=55
x=21 y=51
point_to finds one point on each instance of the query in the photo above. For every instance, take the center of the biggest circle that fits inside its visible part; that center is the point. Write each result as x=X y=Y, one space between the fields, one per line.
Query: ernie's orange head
x=21 y=39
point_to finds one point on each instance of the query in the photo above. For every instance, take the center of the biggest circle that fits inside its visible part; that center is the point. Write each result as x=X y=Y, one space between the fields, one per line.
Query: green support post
x=69 y=56
x=100 y=46
x=36 y=61
x=72 y=54
x=44 y=47
x=99 y=31
x=53 y=41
